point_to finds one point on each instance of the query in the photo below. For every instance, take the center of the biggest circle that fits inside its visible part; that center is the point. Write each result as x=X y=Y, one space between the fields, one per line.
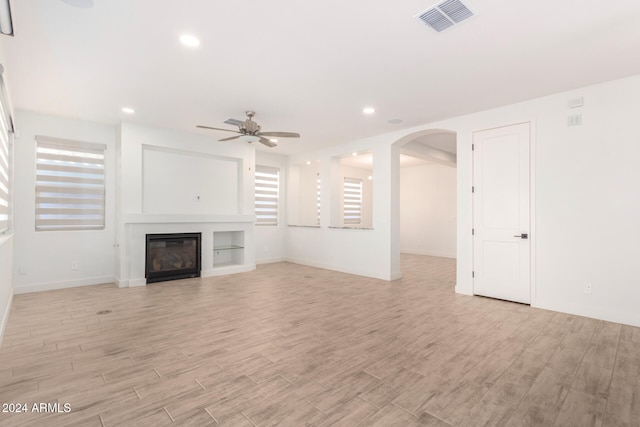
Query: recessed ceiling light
x=128 y=110
x=369 y=110
x=395 y=121
x=308 y=162
x=84 y=4
x=189 y=40
x=354 y=154
x=370 y=177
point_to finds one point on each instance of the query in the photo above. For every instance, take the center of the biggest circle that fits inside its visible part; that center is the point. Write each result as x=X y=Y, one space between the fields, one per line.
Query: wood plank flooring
x=289 y=345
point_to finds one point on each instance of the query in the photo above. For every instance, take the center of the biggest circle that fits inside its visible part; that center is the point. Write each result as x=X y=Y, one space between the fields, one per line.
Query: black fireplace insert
x=172 y=256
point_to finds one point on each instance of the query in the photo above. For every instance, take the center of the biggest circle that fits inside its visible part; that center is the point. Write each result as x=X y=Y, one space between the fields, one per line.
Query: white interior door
x=501 y=213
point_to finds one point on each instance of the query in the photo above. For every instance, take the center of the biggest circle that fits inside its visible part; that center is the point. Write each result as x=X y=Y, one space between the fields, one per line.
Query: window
x=5 y=165
x=352 y=200
x=70 y=187
x=267 y=186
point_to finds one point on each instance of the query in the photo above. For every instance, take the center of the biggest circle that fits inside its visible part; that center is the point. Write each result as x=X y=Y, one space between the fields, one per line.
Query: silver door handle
x=522 y=236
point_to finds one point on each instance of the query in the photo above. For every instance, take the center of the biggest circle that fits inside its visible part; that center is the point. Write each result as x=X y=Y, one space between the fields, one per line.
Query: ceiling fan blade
x=234 y=122
x=209 y=127
x=230 y=138
x=280 y=134
x=268 y=143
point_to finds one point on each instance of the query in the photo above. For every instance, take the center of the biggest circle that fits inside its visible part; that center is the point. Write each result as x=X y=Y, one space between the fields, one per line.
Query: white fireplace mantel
x=139 y=218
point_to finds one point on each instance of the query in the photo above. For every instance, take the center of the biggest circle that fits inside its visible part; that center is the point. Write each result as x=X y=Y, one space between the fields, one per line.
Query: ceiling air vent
x=445 y=14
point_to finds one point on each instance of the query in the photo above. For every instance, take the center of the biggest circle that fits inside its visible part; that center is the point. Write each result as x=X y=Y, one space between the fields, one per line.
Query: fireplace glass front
x=172 y=256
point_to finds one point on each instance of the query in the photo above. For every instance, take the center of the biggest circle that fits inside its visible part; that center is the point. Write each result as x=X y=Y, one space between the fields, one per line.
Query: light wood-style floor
x=290 y=345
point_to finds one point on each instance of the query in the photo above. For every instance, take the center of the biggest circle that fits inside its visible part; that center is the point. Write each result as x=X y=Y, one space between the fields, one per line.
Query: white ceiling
x=365 y=161
x=308 y=67
x=443 y=141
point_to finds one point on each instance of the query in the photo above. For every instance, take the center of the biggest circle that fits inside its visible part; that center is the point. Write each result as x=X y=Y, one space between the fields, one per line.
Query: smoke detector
x=445 y=14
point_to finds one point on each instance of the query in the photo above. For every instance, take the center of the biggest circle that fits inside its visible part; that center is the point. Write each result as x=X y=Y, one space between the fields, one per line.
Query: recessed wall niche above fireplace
x=172 y=256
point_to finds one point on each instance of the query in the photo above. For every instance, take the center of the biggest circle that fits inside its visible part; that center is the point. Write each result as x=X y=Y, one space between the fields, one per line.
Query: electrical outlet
x=74 y=265
x=587 y=288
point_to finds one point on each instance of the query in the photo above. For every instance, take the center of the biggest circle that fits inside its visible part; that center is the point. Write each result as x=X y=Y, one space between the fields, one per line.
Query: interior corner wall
x=270 y=239
x=42 y=260
x=428 y=210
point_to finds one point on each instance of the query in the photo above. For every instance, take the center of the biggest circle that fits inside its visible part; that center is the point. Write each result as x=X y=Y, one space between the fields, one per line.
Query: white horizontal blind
x=267 y=191
x=70 y=184
x=5 y=171
x=352 y=200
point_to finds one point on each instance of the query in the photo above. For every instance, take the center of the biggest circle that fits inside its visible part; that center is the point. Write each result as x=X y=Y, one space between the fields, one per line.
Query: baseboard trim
x=134 y=283
x=427 y=253
x=231 y=269
x=461 y=291
x=5 y=318
x=627 y=318
x=338 y=268
x=121 y=283
x=51 y=286
x=396 y=276
x=270 y=260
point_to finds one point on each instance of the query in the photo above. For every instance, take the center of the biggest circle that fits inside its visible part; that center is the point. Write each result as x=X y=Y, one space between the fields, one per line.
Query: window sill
x=351 y=228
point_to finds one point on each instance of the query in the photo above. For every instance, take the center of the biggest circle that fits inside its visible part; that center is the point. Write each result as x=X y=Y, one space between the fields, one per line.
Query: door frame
x=533 y=233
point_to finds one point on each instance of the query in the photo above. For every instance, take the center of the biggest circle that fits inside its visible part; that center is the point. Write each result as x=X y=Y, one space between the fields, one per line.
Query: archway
x=422 y=179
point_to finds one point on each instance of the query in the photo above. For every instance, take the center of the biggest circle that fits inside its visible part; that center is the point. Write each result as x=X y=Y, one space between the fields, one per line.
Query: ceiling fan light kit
x=249 y=138
x=250 y=131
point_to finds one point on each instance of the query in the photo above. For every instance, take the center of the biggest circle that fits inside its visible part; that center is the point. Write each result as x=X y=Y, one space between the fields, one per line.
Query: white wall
x=187 y=158
x=585 y=198
x=270 y=240
x=302 y=194
x=42 y=260
x=183 y=181
x=428 y=210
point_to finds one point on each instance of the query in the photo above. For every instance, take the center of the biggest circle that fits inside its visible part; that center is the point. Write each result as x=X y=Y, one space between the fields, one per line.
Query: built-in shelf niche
x=228 y=248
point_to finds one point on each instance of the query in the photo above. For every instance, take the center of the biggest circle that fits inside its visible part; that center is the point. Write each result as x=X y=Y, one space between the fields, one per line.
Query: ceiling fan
x=251 y=130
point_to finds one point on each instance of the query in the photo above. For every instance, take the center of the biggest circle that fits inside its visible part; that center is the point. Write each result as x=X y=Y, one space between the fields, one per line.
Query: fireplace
x=172 y=256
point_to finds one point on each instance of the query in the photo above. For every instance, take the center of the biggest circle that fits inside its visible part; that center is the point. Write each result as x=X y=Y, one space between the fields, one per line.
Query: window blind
x=352 y=200
x=267 y=191
x=5 y=171
x=70 y=184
